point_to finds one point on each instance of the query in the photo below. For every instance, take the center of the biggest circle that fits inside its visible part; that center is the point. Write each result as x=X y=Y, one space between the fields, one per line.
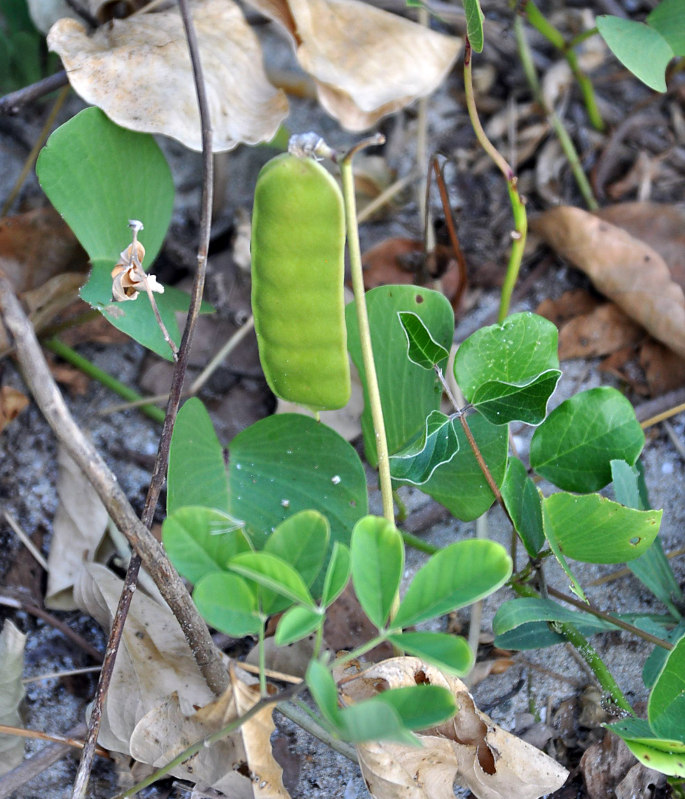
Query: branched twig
x=162 y=459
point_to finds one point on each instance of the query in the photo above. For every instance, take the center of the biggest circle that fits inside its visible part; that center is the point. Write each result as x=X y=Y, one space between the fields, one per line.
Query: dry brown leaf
x=137 y=70
x=469 y=749
x=571 y=303
x=12 y=642
x=366 y=62
x=154 y=659
x=664 y=370
x=12 y=403
x=79 y=526
x=241 y=765
x=603 y=331
x=621 y=267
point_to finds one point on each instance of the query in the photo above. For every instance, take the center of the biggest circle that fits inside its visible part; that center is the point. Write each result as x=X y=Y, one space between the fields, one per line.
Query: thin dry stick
x=13 y=102
x=161 y=462
x=20 y=732
x=42 y=385
x=25 y=540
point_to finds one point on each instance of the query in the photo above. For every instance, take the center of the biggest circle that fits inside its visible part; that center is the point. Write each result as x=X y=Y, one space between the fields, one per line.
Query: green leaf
x=197 y=472
x=422 y=348
x=523 y=623
x=459 y=574
x=374 y=720
x=419 y=706
x=653 y=568
x=408 y=392
x=666 y=706
x=523 y=502
x=302 y=541
x=594 y=529
x=438 y=444
x=449 y=653
x=296 y=623
x=272 y=573
x=639 y=47
x=664 y=755
x=459 y=485
x=573 y=448
x=98 y=176
x=202 y=540
x=548 y=527
x=377 y=557
x=324 y=690
x=655 y=662
x=669 y=20
x=288 y=462
x=509 y=370
x=474 y=24
x=228 y=604
x=337 y=574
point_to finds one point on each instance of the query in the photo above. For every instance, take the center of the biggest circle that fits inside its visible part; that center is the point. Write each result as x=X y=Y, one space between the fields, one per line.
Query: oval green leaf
x=449 y=653
x=420 y=706
x=197 y=472
x=274 y=574
x=324 y=690
x=594 y=529
x=510 y=370
x=302 y=541
x=377 y=558
x=287 y=463
x=296 y=624
x=666 y=756
x=202 y=540
x=524 y=503
x=474 y=24
x=666 y=706
x=573 y=448
x=460 y=574
x=337 y=574
x=668 y=18
x=639 y=47
x=408 y=392
x=227 y=603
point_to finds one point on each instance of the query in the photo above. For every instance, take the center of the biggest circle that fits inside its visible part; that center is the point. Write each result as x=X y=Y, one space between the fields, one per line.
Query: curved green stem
x=517 y=203
x=345 y=164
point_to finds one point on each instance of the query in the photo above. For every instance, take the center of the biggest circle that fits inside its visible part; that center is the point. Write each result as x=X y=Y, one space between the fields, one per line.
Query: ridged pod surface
x=298 y=245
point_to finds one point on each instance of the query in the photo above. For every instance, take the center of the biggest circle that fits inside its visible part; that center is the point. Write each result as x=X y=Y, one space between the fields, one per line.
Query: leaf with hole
x=574 y=446
x=408 y=392
x=437 y=445
x=510 y=370
x=377 y=558
x=200 y=540
x=458 y=575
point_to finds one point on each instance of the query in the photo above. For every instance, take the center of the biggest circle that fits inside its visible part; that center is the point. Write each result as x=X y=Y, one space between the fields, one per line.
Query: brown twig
x=161 y=462
x=6 y=729
x=454 y=239
x=12 y=103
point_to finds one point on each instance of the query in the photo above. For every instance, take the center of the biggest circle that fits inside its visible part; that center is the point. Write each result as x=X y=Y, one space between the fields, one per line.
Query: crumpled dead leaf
x=12 y=403
x=621 y=267
x=469 y=748
x=241 y=765
x=137 y=70
x=79 y=525
x=154 y=659
x=366 y=62
x=12 y=643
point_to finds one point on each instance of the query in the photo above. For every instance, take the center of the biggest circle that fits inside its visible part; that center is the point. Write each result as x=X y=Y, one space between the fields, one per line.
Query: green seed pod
x=298 y=243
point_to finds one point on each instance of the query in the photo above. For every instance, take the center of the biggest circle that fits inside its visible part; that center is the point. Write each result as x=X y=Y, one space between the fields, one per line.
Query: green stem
x=543 y=26
x=587 y=652
x=360 y=650
x=84 y=365
x=517 y=203
x=373 y=391
x=552 y=117
x=303 y=717
x=418 y=543
x=262 y=658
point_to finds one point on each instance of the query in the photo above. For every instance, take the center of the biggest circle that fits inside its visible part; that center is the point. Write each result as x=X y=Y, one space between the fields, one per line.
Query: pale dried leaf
x=154 y=659
x=167 y=730
x=78 y=528
x=623 y=268
x=469 y=749
x=365 y=61
x=137 y=70
x=44 y=13
x=12 y=643
x=12 y=403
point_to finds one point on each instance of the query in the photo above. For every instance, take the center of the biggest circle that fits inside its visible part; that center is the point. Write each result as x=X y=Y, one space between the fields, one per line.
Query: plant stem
x=373 y=391
x=308 y=723
x=517 y=203
x=84 y=365
x=545 y=27
x=587 y=652
x=552 y=117
x=418 y=543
